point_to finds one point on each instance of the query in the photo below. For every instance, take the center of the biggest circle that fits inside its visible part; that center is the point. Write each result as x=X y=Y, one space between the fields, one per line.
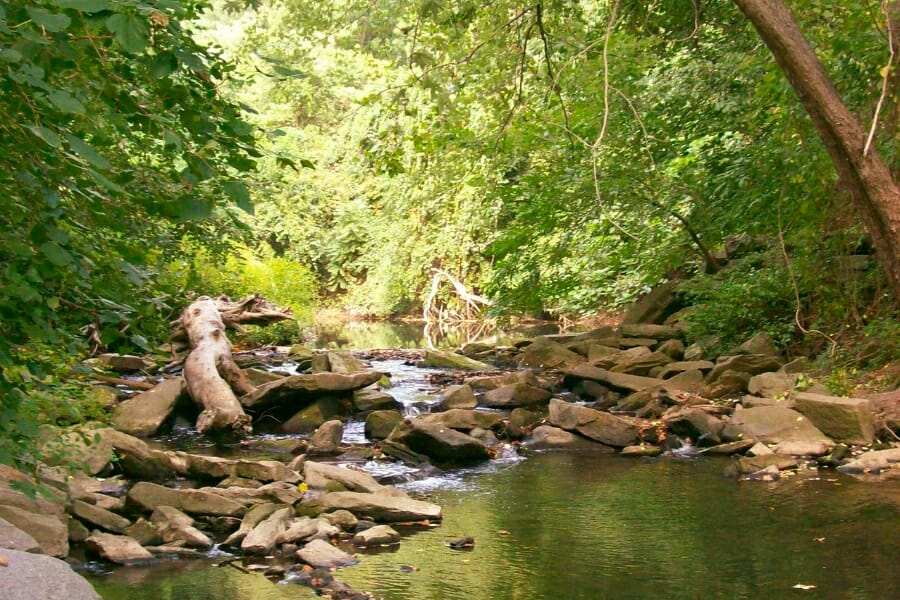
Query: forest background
x=560 y=158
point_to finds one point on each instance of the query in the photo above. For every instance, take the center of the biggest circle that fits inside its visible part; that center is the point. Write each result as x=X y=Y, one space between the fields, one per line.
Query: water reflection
x=571 y=526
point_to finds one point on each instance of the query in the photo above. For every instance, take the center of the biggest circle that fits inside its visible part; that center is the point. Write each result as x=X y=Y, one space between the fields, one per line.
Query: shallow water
x=562 y=525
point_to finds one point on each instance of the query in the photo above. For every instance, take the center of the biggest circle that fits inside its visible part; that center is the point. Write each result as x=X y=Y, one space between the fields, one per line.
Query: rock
x=277 y=491
x=603 y=356
x=344 y=363
x=41 y=577
x=327 y=438
x=265 y=470
x=642 y=365
x=774 y=424
x=77 y=531
x=490 y=382
x=473 y=349
x=618 y=381
x=738 y=447
x=265 y=536
x=145 y=413
x=520 y=420
x=770 y=473
x=697 y=424
x=320 y=553
x=674 y=348
x=462 y=543
x=345 y=519
x=99 y=517
x=318 y=476
x=125 y=363
x=687 y=381
x=649 y=330
x=599 y=426
x=760 y=343
x=728 y=383
x=147 y=496
x=543 y=353
x=513 y=395
x=655 y=306
x=887 y=408
x=641 y=450
x=50 y=531
x=119 y=549
x=377 y=536
x=438 y=442
x=874 y=461
x=759 y=449
x=464 y=420
x=547 y=436
x=199 y=466
x=438 y=359
x=137 y=459
x=297 y=389
x=84 y=446
x=253 y=517
x=846 y=420
x=310 y=418
x=754 y=401
x=380 y=423
x=306 y=529
x=369 y=399
x=803 y=448
x=378 y=507
x=752 y=464
x=752 y=364
x=457 y=396
x=772 y=384
x=143 y=531
x=685 y=365
x=13 y=538
x=175 y=526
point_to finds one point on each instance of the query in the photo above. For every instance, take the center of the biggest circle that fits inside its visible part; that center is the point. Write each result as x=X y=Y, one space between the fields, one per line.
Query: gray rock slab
x=320 y=553
x=41 y=577
x=13 y=538
x=299 y=388
x=143 y=414
x=99 y=517
x=514 y=395
x=120 y=549
x=451 y=360
x=378 y=507
x=846 y=420
x=774 y=424
x=147 y=496
x=599 y=426
x=51 y=531
x=319 y=475
x=618 y=381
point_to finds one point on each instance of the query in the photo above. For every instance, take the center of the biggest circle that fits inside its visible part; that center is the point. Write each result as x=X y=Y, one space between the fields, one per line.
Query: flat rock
x=752 y=364
x=675 y=368
x=875 y=461
x=201 y=466
x=649 y=330
x=298 y=388
x=543 y=353
x=489 y=382
x=514 y=395
x=774 y=424
x=752 y=464
x=378 y=507
x=599 y=426
x=803 y=448
x=99 y=517
x=617 y=381
x=642 y=365
x=547 y=436
x=147 y=496
x=695 y=423
x=175 y=526
x=463 y=419
x=264 y=537
x=119 y=549
x=254 y=516
x=320 y=553
x=51 y=531
x=145 y=413
x=137 y=459
x=318 y=476
x=41 y=577
x=458 y=396
x=376 y=536
x=641 y=450
x=846 y=420
x=265 y=471
x=769 y=385
x=738 y=447
x=439 y=359
x=368 y=399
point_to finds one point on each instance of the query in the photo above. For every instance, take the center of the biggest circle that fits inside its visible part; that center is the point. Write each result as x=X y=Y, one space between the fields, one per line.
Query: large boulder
x=147 y=496
x=661 y=301
x=370 y=398
x=119 y=549
x=85 y=447
x=380 y=423
x=13 y=538
x=513 y=395
x=761 y=343
x=320 y=553
x=751 y=364
x=599 y=426
x=774 y=424
x=344 y=363
x=621 y=382
x=145 y=413
x=440 y=443
x=327 y=438
x=846 y=420
x=489 y=382
x=27 y=575
x=439 y=359
x=458 y=396
x=312 y=416
x=298 y=390
x=137 y=459
x=51 y=531
x=772 y=384
x=464 y=420
x=543 y=353
x=547 y=436
x=377 y=507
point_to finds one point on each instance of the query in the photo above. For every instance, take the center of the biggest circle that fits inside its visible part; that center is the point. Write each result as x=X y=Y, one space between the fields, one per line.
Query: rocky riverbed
x=635 y=390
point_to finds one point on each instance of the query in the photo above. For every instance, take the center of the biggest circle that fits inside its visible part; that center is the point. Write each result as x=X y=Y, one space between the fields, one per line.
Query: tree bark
x=873 y=191
x=212 y=377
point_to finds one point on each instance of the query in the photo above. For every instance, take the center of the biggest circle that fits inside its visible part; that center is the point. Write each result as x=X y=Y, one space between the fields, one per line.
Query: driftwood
x=213 y=379
x=471 y=303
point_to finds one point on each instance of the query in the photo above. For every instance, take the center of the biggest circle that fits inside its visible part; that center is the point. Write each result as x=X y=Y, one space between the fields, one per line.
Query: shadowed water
x=589 y=526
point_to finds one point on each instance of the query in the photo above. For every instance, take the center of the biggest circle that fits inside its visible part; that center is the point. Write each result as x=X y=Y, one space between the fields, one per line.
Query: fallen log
x=213 y=379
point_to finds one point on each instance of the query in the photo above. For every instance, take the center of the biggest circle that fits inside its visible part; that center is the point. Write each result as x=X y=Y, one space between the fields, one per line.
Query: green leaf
x=238 y=192
x=52 y=302
x=199 y=167
x=49 y=20
x=87 y=152
x=88 y=6
x=66 y=102
x=45 y=134
x=140 y=341
x=56 y=254
x=111 y=186
x=163 y=65
x=305 y=162
x=131 y=32
x=171 y=139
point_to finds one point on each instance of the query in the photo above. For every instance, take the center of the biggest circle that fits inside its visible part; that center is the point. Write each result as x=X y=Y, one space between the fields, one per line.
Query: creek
x=587 y=525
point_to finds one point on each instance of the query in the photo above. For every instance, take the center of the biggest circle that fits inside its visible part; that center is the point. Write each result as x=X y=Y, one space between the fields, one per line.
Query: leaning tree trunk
x=873 y=191
x=212 y=377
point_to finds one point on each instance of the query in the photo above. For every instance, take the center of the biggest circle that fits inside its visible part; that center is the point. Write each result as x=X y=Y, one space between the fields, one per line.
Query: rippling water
x=586 y=526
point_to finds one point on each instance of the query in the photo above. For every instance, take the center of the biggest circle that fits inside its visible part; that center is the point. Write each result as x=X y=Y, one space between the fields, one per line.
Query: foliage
x=115 y=145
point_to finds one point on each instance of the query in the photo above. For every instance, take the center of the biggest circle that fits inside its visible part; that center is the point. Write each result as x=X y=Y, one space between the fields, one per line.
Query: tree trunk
x=873 y=191
x=211 y=375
